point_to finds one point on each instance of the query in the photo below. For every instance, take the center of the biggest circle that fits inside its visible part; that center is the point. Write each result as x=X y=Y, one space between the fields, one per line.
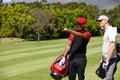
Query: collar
x=81 y=31
x=108 y=28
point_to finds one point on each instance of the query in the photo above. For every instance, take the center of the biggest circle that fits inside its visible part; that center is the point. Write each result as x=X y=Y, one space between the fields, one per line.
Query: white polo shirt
x=109 y=35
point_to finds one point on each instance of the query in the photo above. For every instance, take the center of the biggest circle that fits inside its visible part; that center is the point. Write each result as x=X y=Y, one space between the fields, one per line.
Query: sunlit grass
x=31 y=60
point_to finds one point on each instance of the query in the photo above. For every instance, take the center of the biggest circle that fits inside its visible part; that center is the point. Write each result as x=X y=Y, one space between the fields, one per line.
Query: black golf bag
x=118 y=52
x=100 y=72
x=59 y=71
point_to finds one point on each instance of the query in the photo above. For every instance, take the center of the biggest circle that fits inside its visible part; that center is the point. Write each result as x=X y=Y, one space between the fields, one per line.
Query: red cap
x=81 y=20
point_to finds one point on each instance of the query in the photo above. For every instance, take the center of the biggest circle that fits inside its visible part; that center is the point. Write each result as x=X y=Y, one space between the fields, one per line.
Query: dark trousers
x=77 y=65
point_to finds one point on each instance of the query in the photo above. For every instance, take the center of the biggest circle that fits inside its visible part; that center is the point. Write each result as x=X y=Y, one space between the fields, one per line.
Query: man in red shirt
x=76 y=48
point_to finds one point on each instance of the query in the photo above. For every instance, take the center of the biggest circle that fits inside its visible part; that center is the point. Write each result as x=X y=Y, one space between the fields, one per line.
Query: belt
x=80 y=55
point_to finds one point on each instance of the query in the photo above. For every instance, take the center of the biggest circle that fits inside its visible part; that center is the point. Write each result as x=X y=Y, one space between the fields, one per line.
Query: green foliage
x=16 y=21
x=51 y=29
x=48 y=20
x=68 y=18
x=93 y=27
x=115 y=17
x=1 y=2
x=41 y=21
x=117 y=24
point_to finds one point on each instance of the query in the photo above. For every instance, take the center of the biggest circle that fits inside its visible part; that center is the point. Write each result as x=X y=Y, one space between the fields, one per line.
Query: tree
x=43 y=0
x=93 y=27
x=0 y=2
x=15 y=21
x=41 y=21
x=52 y=28
x=114 y=15
x=93 y=11
x=117 y=24
x=67 y=18
x=47 y=20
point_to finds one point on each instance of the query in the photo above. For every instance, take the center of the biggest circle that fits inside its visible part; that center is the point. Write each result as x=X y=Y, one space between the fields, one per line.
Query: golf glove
x=62 y=61
x=105 y=64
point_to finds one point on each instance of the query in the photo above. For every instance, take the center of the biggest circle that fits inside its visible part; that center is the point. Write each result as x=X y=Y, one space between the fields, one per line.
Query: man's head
x=103 y=17
x=81 y=23
x=103 y=20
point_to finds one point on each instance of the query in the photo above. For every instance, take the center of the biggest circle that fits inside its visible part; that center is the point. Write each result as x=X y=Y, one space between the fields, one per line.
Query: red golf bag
x=59 y=71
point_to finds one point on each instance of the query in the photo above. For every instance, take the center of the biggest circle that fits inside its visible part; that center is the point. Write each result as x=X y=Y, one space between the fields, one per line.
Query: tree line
x=41 y=20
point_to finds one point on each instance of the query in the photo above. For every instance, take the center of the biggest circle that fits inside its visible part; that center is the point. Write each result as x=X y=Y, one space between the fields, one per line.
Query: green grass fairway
x=31 y=60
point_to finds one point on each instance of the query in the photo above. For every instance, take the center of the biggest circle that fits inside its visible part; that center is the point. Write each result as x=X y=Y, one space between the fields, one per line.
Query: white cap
x=101 y=17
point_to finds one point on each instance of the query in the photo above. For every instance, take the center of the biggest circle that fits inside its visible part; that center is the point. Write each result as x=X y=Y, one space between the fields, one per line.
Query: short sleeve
x=70 y=37
x=88 y=34
x=112 y=34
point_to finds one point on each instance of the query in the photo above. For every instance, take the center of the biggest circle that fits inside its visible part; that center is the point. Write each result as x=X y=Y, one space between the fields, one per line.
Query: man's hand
x=66 y=30
x=105 y=64
x=62 y=61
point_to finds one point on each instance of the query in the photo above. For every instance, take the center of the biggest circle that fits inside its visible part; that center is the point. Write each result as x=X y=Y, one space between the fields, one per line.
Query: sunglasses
x=100 y=20
x=80 y=24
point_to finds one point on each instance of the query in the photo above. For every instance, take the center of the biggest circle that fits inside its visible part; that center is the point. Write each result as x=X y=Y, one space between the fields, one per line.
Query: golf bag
x=118 y=52
x=100 y=72
x=59 y=71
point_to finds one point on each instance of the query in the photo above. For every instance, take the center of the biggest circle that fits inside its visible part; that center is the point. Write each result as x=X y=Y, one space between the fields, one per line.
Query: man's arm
x=67 y=49
x=111 y=50
x=82 y=35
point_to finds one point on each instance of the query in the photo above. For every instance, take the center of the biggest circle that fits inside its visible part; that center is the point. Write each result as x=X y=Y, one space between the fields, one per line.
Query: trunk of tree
x=38 y=36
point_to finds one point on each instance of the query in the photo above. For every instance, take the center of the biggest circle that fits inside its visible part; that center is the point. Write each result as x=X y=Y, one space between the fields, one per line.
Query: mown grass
x=31 y=60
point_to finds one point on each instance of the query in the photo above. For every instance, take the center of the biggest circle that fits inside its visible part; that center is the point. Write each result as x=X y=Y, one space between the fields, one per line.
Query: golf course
x=31 y=60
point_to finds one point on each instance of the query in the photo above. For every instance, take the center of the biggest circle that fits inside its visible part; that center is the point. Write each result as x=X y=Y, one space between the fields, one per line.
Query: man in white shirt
x=109 y=46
